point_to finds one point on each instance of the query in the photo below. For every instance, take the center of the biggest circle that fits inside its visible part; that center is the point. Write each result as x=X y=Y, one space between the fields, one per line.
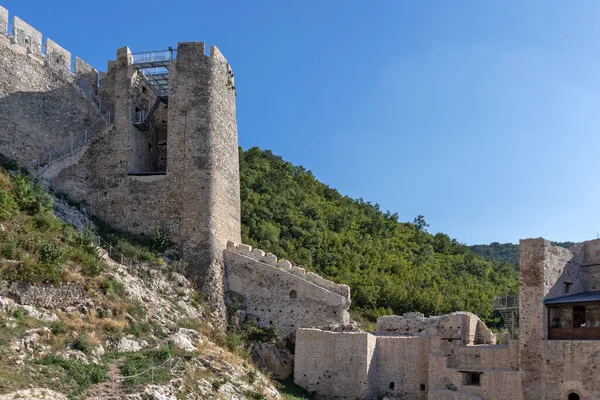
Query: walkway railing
x=506 y=302
x=53 y=156
x=154 y=56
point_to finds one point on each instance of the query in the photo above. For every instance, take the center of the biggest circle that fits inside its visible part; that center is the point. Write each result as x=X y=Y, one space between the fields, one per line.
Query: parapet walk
x=54 y=56
x=285 y=265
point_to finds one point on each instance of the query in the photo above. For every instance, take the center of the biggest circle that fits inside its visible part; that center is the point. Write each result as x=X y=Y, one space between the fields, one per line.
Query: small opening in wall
x=392 y=385
x=293 y=294
x=472 y=378
x=568 y=287
x=573 y=396
x=422 y=387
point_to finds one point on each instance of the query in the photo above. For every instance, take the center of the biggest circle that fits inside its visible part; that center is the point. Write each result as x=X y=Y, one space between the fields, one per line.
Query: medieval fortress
x=152 y=142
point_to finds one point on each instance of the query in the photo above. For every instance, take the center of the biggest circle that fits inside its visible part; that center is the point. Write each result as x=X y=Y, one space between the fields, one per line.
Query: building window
x=293 y=294
x=472 y=378
x=392 y=385
x=579 y=321
x=573 y=396
x=422 y=387
x=568 y=287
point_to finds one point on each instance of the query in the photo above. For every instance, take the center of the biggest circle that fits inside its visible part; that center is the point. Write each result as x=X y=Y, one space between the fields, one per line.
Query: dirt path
x=104 y=390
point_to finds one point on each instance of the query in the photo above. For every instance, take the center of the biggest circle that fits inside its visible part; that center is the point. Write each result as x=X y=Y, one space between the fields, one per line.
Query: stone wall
x=415 y=357
x=400 y=367
x=40 y=107
x=334 y=364
x=47 y=296
x=276 y=293
x=196 y=196
x=3 y=21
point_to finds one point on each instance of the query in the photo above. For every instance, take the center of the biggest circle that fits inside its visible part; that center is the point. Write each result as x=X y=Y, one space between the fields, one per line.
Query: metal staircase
x=508 y=307
x=154 y=68
x=142 y=119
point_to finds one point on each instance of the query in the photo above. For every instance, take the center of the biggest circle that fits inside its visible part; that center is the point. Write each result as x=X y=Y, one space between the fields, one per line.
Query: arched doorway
x=573 y=396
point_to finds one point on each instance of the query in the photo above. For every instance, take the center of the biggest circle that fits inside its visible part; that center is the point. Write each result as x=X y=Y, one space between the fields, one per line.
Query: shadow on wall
x=33 y=123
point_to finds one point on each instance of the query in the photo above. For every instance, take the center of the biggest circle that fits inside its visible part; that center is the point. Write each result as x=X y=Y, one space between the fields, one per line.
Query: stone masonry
x=455 y=356
x=276 y=293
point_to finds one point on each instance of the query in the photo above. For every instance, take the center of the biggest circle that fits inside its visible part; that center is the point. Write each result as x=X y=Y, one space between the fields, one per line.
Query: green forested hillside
x=390 y=266
x=506 y=252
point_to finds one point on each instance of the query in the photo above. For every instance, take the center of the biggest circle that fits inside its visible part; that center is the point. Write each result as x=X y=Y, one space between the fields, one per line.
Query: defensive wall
x=42 y=103
x=409 y=357
x=277 y=293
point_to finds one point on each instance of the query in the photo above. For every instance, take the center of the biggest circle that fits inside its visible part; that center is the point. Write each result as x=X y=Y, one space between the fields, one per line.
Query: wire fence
x=152 y=372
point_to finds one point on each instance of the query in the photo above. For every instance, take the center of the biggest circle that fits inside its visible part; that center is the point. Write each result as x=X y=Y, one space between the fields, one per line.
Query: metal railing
x=53 y=156
x=90 y=91
x=506 y=302
x=154 y=56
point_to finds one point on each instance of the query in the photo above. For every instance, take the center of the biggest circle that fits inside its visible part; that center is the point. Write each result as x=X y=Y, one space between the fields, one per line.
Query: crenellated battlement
x=28 y=39
x=285 y=265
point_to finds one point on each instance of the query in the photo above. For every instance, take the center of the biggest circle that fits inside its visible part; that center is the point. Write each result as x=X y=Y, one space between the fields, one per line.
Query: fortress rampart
x=277 y=293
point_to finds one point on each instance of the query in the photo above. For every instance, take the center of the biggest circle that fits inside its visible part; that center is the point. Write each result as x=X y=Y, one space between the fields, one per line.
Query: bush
x=32 y=271
x=31 y=197
x=85 y=375
x=50 y=254
x=91 y=264
x=234 y=341
x=8 y=206
x=111 y=287
x=160 y=240
x=58 y=327
x=82 y=343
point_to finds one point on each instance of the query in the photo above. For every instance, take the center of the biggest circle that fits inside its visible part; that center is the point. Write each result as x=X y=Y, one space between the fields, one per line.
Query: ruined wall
x=277 y=294
x=400 y=367
x=334 y=364
x=40 y=107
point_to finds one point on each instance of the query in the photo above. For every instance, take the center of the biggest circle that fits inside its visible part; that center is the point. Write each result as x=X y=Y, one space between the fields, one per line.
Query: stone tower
x=204 y=162
x=169 y=158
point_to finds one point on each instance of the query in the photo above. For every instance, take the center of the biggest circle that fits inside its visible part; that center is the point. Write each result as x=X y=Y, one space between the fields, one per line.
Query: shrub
x=31 y=197
x=140 y=329
x=91 y=264
x=85 y=375
x=58 y=327
x=234 y=341
x=160 y=237
x=50 y=254
x=8 y=206
x=111 y=287
x=32 y=271
x=82 y=343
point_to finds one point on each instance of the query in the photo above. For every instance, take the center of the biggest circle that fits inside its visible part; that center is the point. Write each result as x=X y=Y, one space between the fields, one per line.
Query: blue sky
x=481 y=116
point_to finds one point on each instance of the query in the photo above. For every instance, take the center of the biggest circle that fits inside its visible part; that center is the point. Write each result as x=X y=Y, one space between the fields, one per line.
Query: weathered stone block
x=57 y=58
x=27 y=36
x=3 y=20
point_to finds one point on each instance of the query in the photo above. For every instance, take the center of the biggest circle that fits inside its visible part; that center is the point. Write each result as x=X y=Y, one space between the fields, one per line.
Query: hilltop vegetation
x=506 y=252
x=391 y=267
